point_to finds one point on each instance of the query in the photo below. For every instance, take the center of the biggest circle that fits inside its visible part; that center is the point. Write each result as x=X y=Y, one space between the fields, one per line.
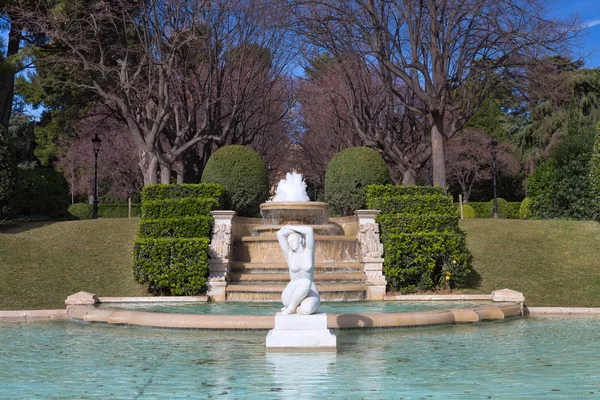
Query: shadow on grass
x=13 y=228
x=473 y=280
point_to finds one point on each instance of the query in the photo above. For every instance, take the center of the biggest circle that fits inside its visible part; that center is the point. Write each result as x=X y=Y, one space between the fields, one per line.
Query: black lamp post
x=494 y=151
x=96 y=142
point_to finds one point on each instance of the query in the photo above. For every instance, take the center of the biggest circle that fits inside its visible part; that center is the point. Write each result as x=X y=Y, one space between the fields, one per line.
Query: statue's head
x=295 y=240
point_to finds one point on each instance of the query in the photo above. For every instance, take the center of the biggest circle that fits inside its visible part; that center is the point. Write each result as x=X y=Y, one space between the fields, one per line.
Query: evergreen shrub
x=413 y=204
x=8 y=180
x=172 y=208
x=392 y=224
x=81 y=211
x=424 y=247
x=561 y=187
x=468 y=211
x=164 y=191
x=42 y=191
x=171 y=249
x=506 y=209
x=176 y=267
x=594 y=177
x=348 y=175
x=525 y=209
x=187 y=227
x=242 y=172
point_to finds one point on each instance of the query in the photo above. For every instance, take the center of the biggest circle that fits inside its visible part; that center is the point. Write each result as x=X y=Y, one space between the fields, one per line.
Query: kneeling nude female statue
x=300 y=295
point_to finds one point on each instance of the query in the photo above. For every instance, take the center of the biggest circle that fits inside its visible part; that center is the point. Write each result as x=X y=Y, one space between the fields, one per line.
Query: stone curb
x=41 y=314
x=438 y=297
x=540 y=311
x=160 y=299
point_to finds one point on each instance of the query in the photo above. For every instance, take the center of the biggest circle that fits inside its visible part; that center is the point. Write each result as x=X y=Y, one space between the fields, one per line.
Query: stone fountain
x=247 y=263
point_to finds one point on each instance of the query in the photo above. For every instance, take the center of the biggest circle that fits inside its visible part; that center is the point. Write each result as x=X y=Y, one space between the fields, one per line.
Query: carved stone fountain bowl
x=294 y=212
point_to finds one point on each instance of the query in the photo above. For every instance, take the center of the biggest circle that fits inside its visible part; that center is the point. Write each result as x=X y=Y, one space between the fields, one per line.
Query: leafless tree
x=180 y=74
x=448 y=54
x=469 y=160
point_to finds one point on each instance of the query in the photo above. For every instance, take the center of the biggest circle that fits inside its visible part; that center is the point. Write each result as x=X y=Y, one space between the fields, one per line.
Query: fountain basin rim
x=472 y=314
x=294 y=205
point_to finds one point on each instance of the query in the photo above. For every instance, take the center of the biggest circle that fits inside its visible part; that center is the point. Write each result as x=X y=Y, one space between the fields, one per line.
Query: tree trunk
x=165 y=174
x=7 y=75
x=149 y=167
x=409 y=178
x=438 y=156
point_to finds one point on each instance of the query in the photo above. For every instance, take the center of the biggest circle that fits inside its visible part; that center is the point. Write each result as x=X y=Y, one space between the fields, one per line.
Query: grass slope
x=43 y=263
x=553 y=263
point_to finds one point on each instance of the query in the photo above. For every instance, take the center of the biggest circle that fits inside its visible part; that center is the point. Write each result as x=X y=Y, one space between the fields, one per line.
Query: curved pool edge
x=89 y=313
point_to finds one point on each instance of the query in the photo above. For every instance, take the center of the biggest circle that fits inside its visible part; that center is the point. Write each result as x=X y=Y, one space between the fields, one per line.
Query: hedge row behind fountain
x=424 y=248
x=171 y=249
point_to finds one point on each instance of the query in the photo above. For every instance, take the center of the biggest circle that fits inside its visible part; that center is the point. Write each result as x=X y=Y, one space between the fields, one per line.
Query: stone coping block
x=37 y=314
x=507 y=295
x=156 y=299
x=81 y=298
x=538 y=311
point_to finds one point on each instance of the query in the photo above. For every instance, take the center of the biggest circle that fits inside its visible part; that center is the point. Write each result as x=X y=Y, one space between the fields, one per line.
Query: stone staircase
x=259 y=271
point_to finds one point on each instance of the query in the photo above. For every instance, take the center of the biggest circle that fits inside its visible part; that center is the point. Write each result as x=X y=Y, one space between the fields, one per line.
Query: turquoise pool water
x=270 y=308
x=519 y=358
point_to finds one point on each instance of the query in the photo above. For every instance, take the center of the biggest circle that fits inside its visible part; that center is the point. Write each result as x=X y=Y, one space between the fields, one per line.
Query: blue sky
x=589 y=15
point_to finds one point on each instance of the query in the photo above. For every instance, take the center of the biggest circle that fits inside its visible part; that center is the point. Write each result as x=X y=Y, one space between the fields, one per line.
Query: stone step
x=257 y=250
x=320 y=267
x=278 y=287
x=342 y=294
x=356 y=277
x=318 y=238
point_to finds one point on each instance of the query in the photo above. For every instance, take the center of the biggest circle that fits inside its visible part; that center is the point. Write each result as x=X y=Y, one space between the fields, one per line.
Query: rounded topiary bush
x=242 y=172
x=468 y=211
x=347 y=176
x=525 y=210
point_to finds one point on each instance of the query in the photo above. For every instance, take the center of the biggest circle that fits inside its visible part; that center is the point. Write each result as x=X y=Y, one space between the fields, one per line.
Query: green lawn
x=42 y=263
x=554 y=263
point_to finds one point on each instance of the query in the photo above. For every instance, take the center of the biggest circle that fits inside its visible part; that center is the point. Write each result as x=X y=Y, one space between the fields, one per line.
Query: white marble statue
x=300 y=295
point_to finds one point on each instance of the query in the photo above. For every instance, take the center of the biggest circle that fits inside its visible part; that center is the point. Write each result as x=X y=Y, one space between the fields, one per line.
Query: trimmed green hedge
x=170 y=252
x=415 y=261
x=412 y=204
x=177 y=267
x=424 y=247
x=386 y=191
x=392 y=224
x=179 y=191
x=348 y=174
x=173 y=208
x=507 y=210
x=84 y=210
x=187 y=227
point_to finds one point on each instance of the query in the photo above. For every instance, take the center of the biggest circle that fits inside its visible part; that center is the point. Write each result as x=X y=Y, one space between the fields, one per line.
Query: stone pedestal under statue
x=297 y=331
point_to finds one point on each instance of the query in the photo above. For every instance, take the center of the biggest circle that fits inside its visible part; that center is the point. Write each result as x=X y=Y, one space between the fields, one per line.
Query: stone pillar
x=220 y=254
x=371 y=252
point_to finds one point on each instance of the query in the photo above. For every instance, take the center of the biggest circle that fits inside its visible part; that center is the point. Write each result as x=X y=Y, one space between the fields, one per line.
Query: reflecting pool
x=518 y=358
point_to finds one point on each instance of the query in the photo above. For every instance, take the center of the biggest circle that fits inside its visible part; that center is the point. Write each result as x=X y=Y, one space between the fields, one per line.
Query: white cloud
x=589 y=24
